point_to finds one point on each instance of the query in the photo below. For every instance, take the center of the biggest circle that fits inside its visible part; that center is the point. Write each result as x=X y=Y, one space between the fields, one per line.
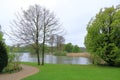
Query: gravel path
x=26 y=71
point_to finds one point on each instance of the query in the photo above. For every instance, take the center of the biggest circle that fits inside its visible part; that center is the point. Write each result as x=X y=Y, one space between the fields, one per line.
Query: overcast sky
x=74 y=14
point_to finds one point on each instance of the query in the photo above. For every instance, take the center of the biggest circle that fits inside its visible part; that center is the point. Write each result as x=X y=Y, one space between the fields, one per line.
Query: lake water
x=27 y=57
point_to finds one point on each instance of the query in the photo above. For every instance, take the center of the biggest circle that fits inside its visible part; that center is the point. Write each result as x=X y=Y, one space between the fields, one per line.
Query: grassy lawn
x=74 y=72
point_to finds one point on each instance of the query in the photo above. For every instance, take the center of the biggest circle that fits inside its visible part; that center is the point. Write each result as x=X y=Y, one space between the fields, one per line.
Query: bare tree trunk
x=51 y=49
x=37 y=51
x=43 y=46
x=37 y=42
x=44 y=33
x=43 y=51
x=38 y=57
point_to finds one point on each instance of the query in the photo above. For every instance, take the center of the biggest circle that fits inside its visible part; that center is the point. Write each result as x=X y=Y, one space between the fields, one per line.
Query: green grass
x=74 y=72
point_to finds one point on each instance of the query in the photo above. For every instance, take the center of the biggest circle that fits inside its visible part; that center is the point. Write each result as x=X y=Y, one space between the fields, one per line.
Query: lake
x=27 y=57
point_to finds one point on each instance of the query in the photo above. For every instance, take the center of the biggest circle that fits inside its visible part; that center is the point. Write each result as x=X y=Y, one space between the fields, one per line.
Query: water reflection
x=27 y=57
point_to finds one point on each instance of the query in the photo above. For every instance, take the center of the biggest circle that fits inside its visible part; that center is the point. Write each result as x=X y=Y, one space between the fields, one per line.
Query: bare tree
x=50 y=26
x=56 y=41
x=60 y=40
x=34 y=26
x=52 y=42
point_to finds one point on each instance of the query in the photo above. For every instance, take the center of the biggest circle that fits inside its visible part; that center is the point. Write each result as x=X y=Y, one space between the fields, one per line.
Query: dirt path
x=26 y=71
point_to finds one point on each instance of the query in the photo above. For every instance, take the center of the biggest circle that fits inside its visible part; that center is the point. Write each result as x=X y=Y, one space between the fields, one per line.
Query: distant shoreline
x=78 y=55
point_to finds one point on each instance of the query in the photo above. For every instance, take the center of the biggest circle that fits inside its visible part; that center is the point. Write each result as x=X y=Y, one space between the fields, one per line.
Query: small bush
x=12 y=67
x=13 y=63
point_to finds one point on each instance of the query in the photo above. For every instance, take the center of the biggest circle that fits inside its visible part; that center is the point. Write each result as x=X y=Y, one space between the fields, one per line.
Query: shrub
x=13 y=63
x=60 y=53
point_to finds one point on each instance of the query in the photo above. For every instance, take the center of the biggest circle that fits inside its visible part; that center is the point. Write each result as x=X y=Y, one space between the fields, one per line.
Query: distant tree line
x=72 y=48
x=58 y=49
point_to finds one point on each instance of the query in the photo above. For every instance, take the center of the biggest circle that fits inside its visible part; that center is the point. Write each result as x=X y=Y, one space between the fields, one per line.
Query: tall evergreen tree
x=103 y=37
x=3 y=53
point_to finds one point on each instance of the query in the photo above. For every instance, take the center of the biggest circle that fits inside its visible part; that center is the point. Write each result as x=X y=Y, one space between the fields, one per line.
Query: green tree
x=103 y=37
x=3 y=53
x=68 y=47
x=76 y=49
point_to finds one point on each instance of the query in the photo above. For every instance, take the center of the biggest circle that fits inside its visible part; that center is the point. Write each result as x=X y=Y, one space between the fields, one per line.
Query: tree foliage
x=68 y=47
x=103 y=37
x=72 y=48
x=76 y=49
